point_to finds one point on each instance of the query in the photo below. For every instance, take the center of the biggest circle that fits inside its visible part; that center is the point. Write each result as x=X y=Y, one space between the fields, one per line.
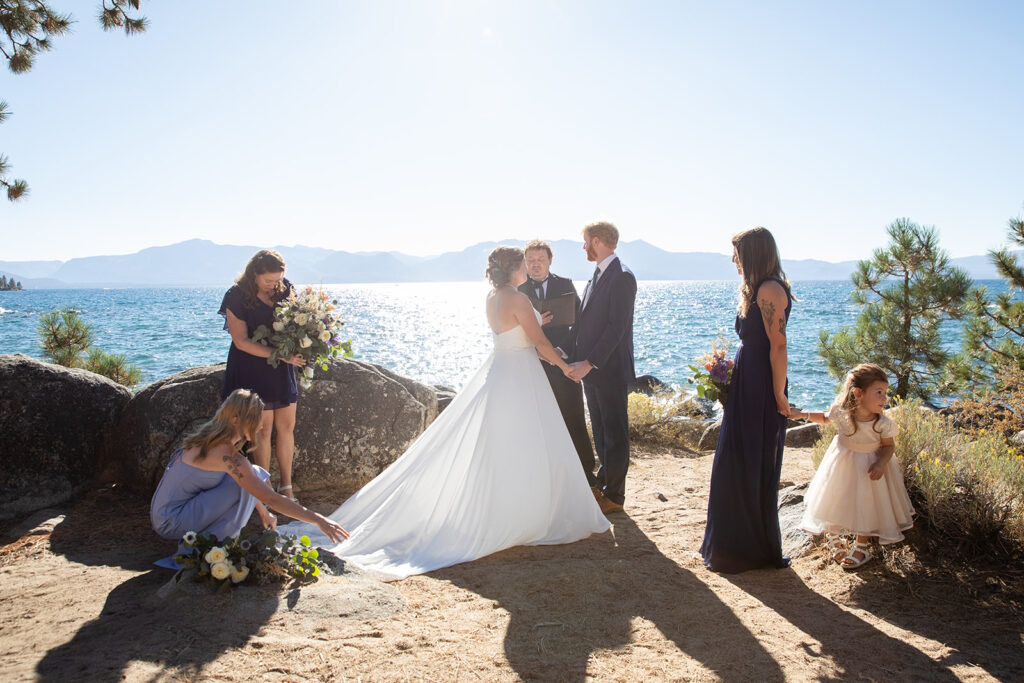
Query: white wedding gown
x=496 y=469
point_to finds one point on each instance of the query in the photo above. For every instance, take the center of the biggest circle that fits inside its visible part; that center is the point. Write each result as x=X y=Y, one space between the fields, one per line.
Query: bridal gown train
x=496 y=469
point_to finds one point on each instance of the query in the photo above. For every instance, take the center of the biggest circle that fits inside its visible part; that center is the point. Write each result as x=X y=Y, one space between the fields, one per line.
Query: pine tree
x=906 y=291
x=64 y=336
x=3 y=282
x=27 y=27
x=994 y=324
x=66 y=339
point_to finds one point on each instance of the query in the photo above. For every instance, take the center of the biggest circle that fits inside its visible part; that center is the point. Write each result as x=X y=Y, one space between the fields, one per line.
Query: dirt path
x=78 y=603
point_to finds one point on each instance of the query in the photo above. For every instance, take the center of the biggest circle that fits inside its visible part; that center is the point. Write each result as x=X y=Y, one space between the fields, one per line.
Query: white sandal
x=292 y=498
x=862 y=547
x=837 y=544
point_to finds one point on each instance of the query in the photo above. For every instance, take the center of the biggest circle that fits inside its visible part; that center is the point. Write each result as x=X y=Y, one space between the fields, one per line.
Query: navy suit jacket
x=603 y=333
x=557 y=286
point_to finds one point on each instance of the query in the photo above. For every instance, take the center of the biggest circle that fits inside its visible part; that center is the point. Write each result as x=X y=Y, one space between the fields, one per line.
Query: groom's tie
x=540 y=289
x=590 y=288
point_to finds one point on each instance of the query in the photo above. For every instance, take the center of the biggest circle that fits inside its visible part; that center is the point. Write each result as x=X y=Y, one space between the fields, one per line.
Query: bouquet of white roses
x=307 y=324
x=264 y=557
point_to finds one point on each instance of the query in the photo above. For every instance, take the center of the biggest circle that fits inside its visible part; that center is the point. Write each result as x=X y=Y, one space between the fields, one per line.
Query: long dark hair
x=759 y=260
x=262 y=262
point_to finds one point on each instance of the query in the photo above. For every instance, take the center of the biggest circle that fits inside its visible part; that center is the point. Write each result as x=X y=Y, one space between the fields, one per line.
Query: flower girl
x=858 y=488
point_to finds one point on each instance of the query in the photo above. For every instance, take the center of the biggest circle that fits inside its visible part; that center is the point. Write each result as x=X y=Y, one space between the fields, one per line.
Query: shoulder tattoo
x=233 y=466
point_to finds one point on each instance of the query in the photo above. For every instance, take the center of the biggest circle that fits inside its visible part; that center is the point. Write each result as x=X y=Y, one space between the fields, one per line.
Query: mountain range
x=198 y=262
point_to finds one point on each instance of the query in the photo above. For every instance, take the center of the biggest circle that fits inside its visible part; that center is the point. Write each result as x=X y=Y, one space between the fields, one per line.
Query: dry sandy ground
x=77 y=602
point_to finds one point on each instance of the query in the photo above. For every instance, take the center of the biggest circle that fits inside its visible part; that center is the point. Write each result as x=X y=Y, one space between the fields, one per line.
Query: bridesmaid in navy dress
x=247 y=305
x=742 y=529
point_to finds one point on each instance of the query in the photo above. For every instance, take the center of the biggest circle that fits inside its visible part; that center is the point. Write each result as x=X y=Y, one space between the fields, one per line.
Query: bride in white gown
x=496 y=469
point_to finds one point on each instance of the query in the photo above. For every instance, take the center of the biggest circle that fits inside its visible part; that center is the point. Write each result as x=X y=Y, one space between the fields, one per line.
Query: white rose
x=301 y=319
x=305 y=342
x=307 y=372
x=278 y=326
x=216 y=554
x=238 y=576
x=221 y=570
x=325 y=336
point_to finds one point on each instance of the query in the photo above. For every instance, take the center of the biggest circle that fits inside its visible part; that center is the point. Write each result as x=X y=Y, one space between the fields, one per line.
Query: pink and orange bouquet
x=714 y=373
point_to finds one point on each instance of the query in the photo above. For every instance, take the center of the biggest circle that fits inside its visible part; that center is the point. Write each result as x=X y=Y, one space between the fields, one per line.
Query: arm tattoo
x=782 y=324
x=767 y=313
x=234 y=469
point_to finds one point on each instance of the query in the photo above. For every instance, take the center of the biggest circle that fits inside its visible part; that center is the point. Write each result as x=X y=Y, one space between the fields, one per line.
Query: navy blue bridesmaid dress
x=276 y=386
x=742 y=529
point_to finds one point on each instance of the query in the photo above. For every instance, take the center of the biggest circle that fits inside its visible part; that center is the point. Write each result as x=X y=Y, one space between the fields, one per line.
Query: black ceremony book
x=562 y=307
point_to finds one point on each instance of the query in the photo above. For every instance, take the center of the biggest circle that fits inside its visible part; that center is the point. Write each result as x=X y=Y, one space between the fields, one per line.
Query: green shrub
x=114 y=366
x=66 y=339
x=661 y=420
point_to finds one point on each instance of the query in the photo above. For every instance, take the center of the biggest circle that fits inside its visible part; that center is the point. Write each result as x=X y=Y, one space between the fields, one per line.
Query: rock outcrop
x=804 y=436
x=354 y=421
x=795 y=541
x=53 y=421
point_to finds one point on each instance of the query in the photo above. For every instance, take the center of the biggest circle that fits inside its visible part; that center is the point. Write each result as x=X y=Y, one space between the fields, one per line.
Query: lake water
x=432 y=332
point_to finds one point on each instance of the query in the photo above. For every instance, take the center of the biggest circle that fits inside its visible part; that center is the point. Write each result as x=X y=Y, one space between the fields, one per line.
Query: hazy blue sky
x=427 y=126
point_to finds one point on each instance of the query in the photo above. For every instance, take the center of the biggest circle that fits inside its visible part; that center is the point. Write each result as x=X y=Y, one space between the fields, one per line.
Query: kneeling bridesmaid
x=210 y=488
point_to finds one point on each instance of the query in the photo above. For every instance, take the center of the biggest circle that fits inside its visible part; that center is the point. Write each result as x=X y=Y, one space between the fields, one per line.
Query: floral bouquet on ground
x=712 y=377
x=305 y=324
x=260 y=558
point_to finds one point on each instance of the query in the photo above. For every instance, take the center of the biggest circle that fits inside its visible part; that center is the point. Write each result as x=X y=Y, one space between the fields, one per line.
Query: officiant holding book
x=556 y=299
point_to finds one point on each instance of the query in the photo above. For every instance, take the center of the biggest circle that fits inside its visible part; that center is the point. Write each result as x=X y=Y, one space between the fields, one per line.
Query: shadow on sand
x=848 y=640
x=585 y=596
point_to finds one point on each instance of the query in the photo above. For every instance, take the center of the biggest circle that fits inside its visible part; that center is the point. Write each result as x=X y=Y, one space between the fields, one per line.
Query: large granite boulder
x=354 y=421
x=154 y=423
x=52 y=424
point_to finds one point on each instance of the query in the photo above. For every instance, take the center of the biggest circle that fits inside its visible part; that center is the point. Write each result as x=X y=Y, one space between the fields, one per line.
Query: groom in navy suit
x=600 y=349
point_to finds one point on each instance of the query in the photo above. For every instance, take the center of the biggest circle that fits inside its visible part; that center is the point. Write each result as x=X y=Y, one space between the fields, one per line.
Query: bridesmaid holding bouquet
x=247 y=305
x=742 y=529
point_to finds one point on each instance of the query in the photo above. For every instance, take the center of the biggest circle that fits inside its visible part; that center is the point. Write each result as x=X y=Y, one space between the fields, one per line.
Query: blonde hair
x=243 y=404
x=501 y=263
x=861 y=377
x=539 y=244
x=604 y=231
x=759 y=260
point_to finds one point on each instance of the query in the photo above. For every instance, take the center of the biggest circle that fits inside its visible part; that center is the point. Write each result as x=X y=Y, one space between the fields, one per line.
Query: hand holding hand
x=546 y=317
x=783 y=405
x=577 y=371
x=330 y=529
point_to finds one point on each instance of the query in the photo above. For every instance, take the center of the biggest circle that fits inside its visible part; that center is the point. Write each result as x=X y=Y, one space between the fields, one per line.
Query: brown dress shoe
x=608 y=505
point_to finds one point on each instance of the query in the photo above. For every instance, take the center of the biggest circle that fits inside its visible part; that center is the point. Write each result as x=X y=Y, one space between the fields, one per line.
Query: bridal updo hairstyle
x=758 y=257
x=262 y=262
x=502 y=262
